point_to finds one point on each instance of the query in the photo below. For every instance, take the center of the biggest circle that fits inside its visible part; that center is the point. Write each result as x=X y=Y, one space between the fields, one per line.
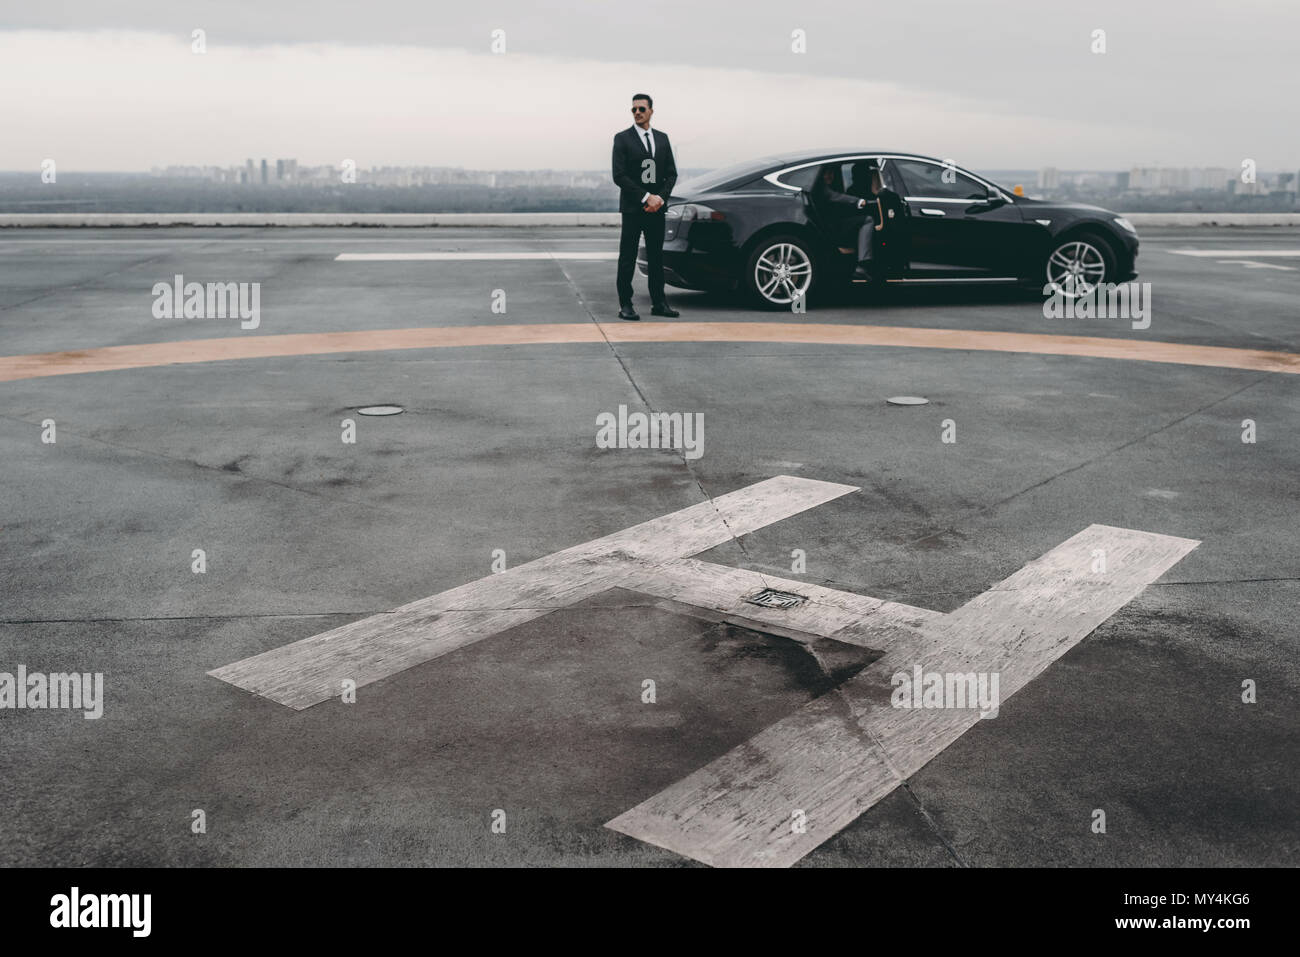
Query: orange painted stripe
x=113 y=358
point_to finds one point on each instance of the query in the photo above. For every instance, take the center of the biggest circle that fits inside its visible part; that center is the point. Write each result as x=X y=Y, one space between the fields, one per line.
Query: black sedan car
x=757 y=226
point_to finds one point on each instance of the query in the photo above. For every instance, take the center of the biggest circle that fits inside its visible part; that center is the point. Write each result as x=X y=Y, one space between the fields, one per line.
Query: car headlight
x=1123 y=223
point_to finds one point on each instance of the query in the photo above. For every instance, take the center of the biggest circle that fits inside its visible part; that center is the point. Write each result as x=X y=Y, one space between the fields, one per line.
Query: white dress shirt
x=641 y=136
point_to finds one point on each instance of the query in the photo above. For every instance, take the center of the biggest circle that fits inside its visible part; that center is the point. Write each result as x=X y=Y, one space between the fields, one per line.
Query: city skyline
x=1135 y=178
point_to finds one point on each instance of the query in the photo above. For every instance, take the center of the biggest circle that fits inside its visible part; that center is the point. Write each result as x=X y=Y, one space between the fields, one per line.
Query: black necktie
x=647 y=144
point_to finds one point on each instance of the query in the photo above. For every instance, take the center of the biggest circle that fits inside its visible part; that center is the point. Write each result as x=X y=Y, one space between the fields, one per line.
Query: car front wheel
x=1077 y=265
x=780 y=270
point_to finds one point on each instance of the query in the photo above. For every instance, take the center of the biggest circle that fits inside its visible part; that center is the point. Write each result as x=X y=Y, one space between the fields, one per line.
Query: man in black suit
x=645 y=173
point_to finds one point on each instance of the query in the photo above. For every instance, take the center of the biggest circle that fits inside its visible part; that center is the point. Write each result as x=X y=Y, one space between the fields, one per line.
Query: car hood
x=1048 y=205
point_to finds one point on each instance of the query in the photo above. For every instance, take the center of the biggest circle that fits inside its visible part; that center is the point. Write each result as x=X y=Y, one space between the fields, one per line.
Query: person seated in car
x=841 y=212
x=852 y=216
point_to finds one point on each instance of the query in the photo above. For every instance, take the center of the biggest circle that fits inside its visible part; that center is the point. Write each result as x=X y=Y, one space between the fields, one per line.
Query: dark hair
x=644 y=96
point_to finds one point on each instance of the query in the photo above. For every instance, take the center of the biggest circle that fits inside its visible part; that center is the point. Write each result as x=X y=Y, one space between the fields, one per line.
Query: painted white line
x=471 y=257
x=1238 y=253
x=798 y=783
x=1252 y=264
x=313 y=670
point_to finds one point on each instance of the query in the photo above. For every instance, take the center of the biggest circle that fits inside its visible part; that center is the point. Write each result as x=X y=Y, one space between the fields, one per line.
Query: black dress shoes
x=627 y=312
x=665 y=310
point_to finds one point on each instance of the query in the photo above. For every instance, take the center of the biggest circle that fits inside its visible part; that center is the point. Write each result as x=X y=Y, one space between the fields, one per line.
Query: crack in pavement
x=1224 y=581
x=214 y=468
x=78 y=285
x=621 y=606
x=108 y=620
x=1096 y=458
x=646 y=402
x=853 y=719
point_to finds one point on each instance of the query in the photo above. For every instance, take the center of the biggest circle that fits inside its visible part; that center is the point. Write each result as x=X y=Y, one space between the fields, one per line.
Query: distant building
x=1211 y=178
x=1049 y=177
x=1162 y=179
x=263 y=172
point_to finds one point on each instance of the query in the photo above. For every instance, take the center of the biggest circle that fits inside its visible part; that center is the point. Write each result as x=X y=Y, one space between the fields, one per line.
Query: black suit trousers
x=866 y=235
x=634 y=225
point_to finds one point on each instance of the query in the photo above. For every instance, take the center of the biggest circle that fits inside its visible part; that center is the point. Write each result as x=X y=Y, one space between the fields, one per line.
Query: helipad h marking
x=832 y=759
x=313 y=670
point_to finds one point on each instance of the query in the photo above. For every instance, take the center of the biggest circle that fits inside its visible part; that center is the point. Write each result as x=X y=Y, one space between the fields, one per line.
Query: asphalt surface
x=243 y=459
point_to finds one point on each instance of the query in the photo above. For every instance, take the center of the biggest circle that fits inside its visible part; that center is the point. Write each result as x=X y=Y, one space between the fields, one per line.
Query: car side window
x=891 y=179
x=800 y=178
x=927 y=179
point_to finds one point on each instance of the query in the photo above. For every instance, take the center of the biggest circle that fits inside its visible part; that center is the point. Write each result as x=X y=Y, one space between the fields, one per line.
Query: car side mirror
x=996 y=197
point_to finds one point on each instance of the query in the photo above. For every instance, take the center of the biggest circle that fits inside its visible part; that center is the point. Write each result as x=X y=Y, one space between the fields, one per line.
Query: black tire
x=1093 y=254
x=781 y=249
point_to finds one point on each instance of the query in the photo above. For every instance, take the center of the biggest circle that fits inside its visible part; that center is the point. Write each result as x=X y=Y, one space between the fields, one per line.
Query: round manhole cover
x=907 y=400
x=381 y=410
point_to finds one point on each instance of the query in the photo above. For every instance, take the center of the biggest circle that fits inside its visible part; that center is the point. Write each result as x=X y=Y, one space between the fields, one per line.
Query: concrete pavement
x=496 y=450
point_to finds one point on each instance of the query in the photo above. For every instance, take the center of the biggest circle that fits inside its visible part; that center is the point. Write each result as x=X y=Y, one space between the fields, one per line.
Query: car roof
x=794 y=158
x=729 y=177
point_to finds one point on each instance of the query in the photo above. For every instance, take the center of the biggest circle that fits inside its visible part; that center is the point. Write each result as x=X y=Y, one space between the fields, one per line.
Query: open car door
x=893 y=242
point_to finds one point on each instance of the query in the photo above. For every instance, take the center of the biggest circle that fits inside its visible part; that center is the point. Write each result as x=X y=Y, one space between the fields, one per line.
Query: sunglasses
x=639 y=109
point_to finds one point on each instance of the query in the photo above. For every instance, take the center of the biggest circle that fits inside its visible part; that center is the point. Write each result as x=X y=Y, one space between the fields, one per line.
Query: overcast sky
x=998 y=84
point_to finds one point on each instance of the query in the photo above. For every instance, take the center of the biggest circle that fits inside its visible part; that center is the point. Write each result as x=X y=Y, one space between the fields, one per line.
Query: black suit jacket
x=833 y=204
x=629 y=156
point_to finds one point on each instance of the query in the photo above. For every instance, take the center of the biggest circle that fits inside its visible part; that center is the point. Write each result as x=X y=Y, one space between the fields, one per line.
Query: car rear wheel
x=1079 y=264
x=780 y=269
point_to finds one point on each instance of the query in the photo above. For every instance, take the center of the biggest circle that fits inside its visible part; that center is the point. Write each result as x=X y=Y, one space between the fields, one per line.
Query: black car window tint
x=801 y=178
x=927 y=179
x=891 y=179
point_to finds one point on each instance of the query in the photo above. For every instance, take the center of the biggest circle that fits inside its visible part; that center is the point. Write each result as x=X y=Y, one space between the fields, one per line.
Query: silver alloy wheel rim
x=1075 y=268
x=782 y=273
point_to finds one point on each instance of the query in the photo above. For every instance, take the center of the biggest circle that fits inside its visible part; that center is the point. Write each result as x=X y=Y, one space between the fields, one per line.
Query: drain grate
x=771 y=598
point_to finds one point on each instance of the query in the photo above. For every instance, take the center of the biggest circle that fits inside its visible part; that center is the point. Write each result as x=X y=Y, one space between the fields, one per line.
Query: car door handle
x=926 y=211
